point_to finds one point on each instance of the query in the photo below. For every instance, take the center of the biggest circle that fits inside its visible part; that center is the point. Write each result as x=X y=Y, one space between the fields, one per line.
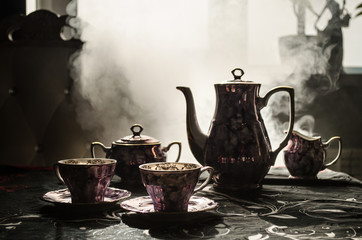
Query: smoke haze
x=136 y=53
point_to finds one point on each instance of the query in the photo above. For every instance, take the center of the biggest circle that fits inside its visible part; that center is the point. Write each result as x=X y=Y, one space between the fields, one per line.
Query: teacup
x=171 y=185
x=305 y=156
x=86 y=178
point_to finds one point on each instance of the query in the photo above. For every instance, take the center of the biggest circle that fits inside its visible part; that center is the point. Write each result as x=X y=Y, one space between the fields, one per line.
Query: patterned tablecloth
x=329 y=207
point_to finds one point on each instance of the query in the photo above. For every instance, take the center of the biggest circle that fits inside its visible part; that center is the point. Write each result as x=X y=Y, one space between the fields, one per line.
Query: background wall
x=131 y=56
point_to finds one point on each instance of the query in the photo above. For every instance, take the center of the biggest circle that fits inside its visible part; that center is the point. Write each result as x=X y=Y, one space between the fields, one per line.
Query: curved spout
x=195 y=136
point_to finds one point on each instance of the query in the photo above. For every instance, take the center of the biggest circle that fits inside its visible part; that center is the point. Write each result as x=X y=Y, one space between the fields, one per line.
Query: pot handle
x=326 y=145
x=262 y=102
x=104 y=148
x=211 y=172
x=165 y=149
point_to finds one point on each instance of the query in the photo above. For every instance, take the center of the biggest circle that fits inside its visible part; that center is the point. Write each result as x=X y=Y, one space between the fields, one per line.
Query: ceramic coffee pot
x=237 y=145
x=305 y=156
x=134 y=150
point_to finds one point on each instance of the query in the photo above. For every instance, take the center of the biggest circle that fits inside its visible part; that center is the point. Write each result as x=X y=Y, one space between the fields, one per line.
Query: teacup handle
x=165 y=149
x=211 y=172
x=104 y=148
x=56 y=171
x=339 y=139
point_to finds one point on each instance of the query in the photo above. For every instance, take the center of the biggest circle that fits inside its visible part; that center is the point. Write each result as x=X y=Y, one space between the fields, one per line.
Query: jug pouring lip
x=308 y=138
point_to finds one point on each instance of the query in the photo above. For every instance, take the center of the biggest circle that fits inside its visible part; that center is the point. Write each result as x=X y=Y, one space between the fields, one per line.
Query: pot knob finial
x=134 y=130
x=237 y=76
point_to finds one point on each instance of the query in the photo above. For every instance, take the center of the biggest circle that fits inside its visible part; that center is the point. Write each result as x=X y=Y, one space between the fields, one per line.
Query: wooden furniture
x=38 y=123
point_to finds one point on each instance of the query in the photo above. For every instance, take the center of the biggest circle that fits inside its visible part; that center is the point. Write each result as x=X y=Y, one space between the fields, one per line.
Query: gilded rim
x=106 y=161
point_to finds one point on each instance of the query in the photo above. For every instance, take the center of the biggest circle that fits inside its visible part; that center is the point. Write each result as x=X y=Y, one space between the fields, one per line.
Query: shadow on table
x=197 y=224
x=75 y=217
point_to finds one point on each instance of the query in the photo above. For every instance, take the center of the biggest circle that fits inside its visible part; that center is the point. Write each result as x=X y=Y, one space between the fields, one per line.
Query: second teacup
x=305 y=156
x=170 y=185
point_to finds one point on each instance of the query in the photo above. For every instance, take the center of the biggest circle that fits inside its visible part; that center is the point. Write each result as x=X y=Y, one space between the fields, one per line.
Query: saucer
x=62 y=198
x=144 y=205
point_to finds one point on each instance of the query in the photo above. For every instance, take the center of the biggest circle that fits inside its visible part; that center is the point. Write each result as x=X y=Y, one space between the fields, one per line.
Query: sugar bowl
x=134 y=150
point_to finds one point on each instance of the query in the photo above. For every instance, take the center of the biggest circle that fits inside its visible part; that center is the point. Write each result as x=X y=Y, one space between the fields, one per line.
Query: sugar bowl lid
x=137 y=138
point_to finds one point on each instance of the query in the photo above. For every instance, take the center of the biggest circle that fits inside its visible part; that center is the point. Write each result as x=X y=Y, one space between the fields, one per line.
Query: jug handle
x=339 y=139
x=104 y=148
x=165 y=149
x=262 y=102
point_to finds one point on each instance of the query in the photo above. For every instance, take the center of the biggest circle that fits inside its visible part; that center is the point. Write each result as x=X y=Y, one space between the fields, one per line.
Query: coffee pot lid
x=137 y=138
x=238 y=73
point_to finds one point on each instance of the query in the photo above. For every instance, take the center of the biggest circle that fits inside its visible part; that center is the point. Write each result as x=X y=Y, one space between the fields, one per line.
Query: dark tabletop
x=329 y=207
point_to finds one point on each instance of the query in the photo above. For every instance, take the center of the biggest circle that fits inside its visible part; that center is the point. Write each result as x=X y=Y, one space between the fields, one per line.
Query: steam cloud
x=136 y=52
